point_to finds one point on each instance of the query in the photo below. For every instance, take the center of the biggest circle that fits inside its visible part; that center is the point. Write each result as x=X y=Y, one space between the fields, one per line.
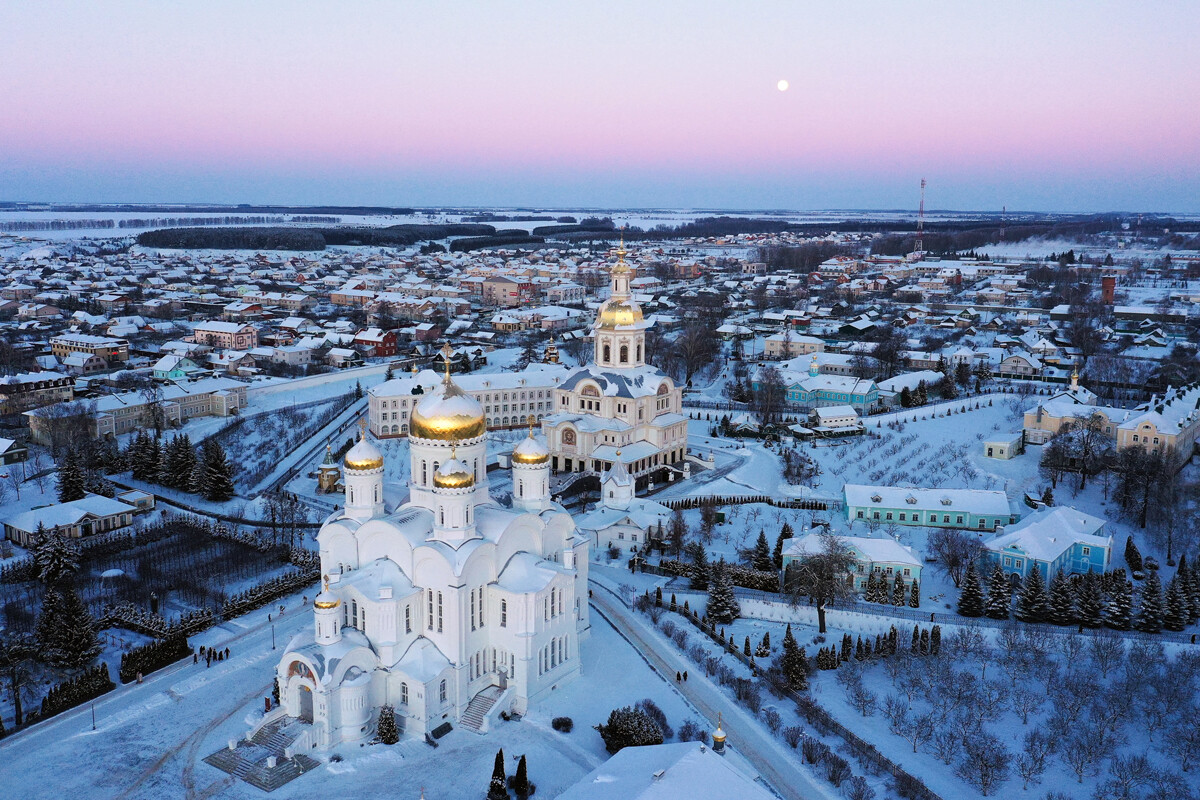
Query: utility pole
x=919 y=245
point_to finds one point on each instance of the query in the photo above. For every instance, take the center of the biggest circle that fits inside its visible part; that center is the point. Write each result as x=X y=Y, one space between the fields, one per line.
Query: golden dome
x=327 y=599
x=364 y=455
x=530 y=451
x=447 y=414
x=618 y=313
x=453 y=475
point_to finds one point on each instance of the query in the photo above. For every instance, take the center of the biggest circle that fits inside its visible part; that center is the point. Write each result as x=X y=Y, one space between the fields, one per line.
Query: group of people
x=209 y=654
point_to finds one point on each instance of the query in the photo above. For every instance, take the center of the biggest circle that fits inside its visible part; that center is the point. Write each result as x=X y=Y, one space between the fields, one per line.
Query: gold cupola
x=327 y=599
x=363 y=455
x=448 y=414
x=454 y=474
x=530 y=451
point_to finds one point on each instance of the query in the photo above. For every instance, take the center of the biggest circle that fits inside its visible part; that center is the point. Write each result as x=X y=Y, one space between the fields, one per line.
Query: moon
x=782 y=85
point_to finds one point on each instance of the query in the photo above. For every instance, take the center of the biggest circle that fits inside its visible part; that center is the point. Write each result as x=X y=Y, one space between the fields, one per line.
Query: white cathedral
x=448 y=598
x=618 y=408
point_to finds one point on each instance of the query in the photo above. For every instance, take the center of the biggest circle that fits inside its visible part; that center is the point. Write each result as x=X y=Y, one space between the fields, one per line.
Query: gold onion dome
x=448 y=414
x=617 y=313
x=327 y=599
x=530 y=451
x=364 y=455
x=454 y=474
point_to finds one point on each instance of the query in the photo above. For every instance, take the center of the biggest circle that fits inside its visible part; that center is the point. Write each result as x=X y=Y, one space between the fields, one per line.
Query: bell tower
x=620 y=331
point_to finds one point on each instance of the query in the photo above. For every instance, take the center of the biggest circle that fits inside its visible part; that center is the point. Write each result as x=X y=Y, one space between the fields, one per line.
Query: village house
x=885 y=557
x=968 y=509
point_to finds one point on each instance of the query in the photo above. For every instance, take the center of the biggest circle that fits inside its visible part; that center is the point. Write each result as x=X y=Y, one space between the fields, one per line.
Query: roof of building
x=70 y=513
x=885 y=549
x=666 y=772
x=1049 y=531
x=976 y=501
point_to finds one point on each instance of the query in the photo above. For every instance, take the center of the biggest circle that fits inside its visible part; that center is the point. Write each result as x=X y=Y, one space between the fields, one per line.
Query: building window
x=439 y=612
x=442 y=691
x=1087 y=551
x=907 y=572
x=503 y=613
x=408 y=619
x=404 y=694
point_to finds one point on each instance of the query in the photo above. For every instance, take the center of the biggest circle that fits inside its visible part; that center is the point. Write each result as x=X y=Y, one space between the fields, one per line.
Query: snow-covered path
x=777 y=765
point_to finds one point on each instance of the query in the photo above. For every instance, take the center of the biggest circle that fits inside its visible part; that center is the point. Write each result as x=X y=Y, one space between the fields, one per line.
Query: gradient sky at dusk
x=1073 y=106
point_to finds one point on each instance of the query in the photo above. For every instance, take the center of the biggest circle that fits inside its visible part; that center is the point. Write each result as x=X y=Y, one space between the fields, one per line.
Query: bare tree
x=824 y=577
x=955 y=551
x=985 y=762
x=770 y=396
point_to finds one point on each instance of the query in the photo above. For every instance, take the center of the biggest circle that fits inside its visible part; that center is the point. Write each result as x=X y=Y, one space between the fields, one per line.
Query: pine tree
x=723 y=606
x=872 y=588
x=921 y=396
x=1033 y=605
x=764 y=646
x=218 y=475
x=777 y=555
x=999 y=601
x=521 y=780
x=56 y=557
x=1062 y=609
x=388 y=733
x=970 y=599
x=935 y=640
x=658 y=597
x=1151 y=606
x=762 y=559
x=497 y=788
x=1133 y=557
x=1176 y=617
x=746 y=647
x=70 y=478
x=1090 y=601
x=914 y=595
x=898 y=591
x=1119 y=609
x=916 y=638
x=847 y=643
x=701 y=570
x=1048 y=496
x=66 y=632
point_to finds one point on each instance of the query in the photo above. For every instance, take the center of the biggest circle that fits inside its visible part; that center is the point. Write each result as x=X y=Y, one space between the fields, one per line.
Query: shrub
x=88 y=685
x=651 y=709
x=836 y=769
x=814 y=750
x=772 y=718
x=562 y=724
x=152 y=656
x=792 y=734
x=856 y=788
x=629 y=727
x=692 y=731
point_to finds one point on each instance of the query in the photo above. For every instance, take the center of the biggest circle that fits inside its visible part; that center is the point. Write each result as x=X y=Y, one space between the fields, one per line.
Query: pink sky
x=1049 y=106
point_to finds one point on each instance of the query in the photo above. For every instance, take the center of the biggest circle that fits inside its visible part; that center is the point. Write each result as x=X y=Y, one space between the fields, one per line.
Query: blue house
x=1051 y=539
x=817 y=390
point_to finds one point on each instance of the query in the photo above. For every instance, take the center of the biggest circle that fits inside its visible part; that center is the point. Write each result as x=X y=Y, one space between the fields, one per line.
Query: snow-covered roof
x=666 y=772
x=629 y=382
x=1049 y=531
x=884 y=550
x=526 y=572
x=69 y=513
x=976 y=501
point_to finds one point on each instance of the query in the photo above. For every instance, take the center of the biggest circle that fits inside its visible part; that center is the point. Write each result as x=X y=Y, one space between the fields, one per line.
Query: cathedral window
x=607 y=353
x=624 y=354
x=639 y=352
x=408 y=619
x=546 y=609
x=442 y=691
x=354 y=611
x=404 y=694
x=362 y=617
x=472 y=609
x=503 y=613
x=429 y=616
x=439 y=612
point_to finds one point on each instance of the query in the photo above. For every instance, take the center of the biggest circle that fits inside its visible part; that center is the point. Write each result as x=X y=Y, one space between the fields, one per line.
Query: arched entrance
x=306 y=704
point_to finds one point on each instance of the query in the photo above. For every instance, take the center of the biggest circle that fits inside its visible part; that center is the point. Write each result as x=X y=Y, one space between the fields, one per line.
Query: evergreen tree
x=914 y=595
x=871 y=593
x=746 y=647
x=935 y=640
x=761 y=559
x=497 y=787
x=1133 y=557
x=999 y=599
x=56 y=557
x=921 y=396
x=1119 y=609
x=66 y=632
x=388 y=732
x=700 y=567
x=1090 y=602
x=777 y=556
x=970 y=599
x=218 y=474
x=1062 y=608
x=1176 y=617
x=521 y=780
x=358 y=390
x=905 y=397
x=1033 y=605
x=70 y=478
x=1151 y=608
x=898 y=594
x=1048 y=496
x=723 y=606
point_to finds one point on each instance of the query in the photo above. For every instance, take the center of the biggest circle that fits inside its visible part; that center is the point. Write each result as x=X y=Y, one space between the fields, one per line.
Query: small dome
x=327 y=599
x=454 y=474
x=448 y=414
x=363 y=456
x=530 y=451
x=618 y=313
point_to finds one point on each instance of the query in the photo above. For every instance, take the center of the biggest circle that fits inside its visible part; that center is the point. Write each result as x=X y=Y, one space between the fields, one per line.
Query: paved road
x=746 y=735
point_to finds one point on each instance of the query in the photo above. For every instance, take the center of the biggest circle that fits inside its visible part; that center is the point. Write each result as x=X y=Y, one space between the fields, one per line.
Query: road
x=747 y=735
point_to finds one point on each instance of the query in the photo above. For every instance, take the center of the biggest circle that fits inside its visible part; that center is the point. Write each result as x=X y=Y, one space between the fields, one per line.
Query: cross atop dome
x=447 y=351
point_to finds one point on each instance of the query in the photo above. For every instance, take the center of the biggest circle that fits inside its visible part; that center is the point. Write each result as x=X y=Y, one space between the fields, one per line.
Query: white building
x=445 y=602
x=618 y=407
x=621 y=519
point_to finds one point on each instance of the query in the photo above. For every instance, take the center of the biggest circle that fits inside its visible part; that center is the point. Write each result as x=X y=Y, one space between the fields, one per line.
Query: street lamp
x=272 y=635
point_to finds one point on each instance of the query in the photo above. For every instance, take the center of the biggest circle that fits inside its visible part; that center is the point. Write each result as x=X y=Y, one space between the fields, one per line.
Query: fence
x=734 y=500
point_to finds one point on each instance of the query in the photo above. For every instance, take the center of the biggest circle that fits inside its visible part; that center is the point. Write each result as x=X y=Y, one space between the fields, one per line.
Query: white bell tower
x=363 y=478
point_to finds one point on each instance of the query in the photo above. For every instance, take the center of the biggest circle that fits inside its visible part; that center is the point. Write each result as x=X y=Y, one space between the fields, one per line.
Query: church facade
x=447 y=598
x=618 y=408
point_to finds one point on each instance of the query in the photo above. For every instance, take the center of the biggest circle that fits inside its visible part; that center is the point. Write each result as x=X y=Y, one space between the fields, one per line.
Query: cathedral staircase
x=475 y=717
x=262 y=760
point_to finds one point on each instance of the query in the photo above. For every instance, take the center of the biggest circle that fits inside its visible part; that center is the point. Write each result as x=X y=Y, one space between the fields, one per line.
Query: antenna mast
x=1003 y=214
x=919 y=245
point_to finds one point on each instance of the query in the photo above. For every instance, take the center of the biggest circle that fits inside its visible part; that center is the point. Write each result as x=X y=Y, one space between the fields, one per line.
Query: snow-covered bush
x=629 y=727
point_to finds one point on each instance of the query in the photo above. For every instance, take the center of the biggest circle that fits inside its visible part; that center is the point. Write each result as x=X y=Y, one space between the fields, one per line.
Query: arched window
x=442 y=691
x=607 y=353
x=624 y=354
x=639 y=352
x=404 y=694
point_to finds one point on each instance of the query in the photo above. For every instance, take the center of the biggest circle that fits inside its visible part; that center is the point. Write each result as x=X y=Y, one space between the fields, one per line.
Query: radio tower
x=919 y=245
x=1003 y=214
